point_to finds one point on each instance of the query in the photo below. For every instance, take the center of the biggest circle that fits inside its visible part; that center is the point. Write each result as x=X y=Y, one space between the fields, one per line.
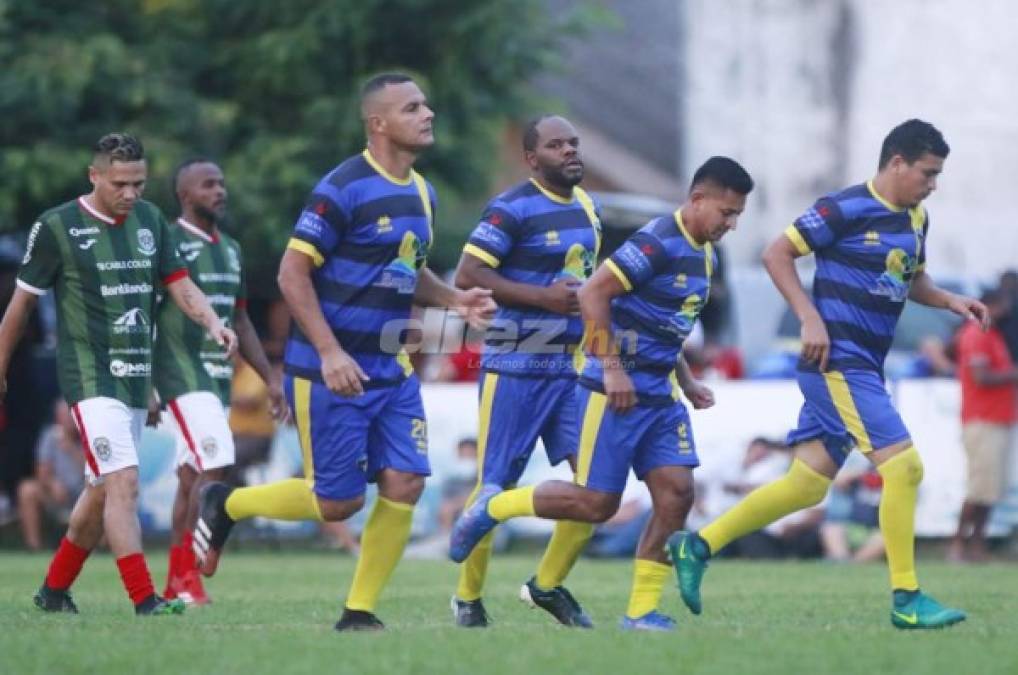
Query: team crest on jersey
x=895 y=281
x=551 y=238
x=384 y=224
x=209 y=446
x=872 y=238
x=680 y=280
x=102 y=447
x=146 y=241
x=401 y=273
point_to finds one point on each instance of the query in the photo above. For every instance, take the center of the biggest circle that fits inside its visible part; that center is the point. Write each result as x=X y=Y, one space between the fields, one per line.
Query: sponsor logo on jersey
x=83 y=231
x=113 y=290
x=384 y=224
x=31 y=243
x=146 y=241
x=102 y=448
x=131 y=321
x=209 y=446
x=192 y=256
x=107 y=265
x=221 y=299
x=120 y=368
x=87 y=244
x=218 y=370
x=221 y=277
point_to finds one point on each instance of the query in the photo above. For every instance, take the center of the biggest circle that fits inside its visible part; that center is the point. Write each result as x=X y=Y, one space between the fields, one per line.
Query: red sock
x=66 y=565
x=134 y=574
x=175 y=567
x=186 y=561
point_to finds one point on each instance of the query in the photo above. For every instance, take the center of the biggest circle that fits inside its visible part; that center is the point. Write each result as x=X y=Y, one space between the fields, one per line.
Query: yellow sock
x=382 y=543
x=797 y=489
x=902 y=475
x=564 y=548
x=290 y=499
x=512 y=504
x=474 y=570
x=648 y=579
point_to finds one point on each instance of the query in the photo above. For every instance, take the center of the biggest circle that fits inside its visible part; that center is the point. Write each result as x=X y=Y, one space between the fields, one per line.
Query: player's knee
x=905 y=467
x=601 y=505
x=29 y=491
x=811 y=485
x=333 y=510
x=397 y=486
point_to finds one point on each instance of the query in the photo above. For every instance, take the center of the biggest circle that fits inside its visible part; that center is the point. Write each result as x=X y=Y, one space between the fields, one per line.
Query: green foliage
x=269 y=88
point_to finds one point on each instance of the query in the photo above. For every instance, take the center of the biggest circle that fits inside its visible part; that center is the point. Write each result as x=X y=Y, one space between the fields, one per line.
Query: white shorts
x=204 y=439
x=110 y=434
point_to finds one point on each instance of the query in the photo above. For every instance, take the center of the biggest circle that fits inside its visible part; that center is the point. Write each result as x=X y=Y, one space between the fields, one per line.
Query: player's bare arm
x=699 y=394
x=595 y=306
x=196 y=306
x=250 y=347
x=559 y=298
x=340 y=372
x=475 y=305
x=925 y=292
x=779 y=259
x=12 y=328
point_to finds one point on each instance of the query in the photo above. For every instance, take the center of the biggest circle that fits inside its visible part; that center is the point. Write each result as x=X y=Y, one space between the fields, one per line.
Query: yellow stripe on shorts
x=845 y=405
x=592 y=417
x=302 y=411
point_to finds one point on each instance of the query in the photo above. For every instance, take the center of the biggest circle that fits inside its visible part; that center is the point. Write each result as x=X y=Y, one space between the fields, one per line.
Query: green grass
x=274 y=613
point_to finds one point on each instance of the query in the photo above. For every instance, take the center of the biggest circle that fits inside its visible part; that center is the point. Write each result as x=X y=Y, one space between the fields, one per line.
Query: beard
x=212 y=215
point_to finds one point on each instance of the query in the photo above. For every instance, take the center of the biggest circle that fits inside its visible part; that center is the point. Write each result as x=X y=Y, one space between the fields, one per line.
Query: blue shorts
x=644 y=438
x=846 y=409
x=347 y=441
x=514 y=413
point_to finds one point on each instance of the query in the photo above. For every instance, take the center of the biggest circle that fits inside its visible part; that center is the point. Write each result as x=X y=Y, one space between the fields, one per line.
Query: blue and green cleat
x=915 y=610
x=653 y=621
x=689 y=556
x=473 y=524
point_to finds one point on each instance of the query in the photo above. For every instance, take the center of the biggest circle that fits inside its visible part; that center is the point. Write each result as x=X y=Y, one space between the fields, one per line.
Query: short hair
x=118 y=147
x=530 y=133
x=724 y=172
x=912 y=139
x=381 y=81
x=181 y=168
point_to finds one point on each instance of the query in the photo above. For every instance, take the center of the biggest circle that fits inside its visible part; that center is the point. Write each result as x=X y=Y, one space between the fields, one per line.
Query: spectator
x=851 y=528
x=1009 y=324
x=250 y=419
x=988 y=379
x=59 y=477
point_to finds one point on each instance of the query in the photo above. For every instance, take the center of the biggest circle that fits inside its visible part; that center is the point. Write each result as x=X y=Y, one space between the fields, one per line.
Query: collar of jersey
x=685 y=232
x=90 y=210
x=385 y=174
x=551 y=195
x=198 y=232
x=880 y=198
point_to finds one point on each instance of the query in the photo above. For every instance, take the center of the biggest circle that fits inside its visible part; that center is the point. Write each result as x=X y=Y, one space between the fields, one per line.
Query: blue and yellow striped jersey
x=536 y=237
x=368 y=233
x=666 y=275
x=867 y=251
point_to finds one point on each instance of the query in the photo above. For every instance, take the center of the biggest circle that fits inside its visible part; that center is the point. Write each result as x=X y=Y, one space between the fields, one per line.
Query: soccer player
x=349 y=276
x=104 y=254
x=536 y=243
x=192 y=373
x=870 y=246
x=638 y=308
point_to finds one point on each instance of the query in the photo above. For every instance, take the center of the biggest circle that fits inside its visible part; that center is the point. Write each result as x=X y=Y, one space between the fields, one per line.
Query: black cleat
x=357 y=620
x=154 y=605
x=558 y=602
x=49 y=600
x=213 y=526
x=469 y=613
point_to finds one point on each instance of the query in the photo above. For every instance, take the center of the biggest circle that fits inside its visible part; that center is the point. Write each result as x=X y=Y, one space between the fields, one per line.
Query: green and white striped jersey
x=187 y=359
x=104 y=273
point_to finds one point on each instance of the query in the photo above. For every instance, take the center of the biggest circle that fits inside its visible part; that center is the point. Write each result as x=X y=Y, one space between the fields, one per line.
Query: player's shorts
x=514 y=413
x=346 y=441
x=643 y=438
x=986 y=447
x=847 y=409
x=110 y=434
x=204 y=439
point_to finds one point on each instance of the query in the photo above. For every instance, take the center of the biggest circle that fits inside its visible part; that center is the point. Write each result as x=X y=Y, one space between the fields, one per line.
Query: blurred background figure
x=851 y=528
x=250 y=420
x=988 y=379
x=58 y=479
x=456 y=480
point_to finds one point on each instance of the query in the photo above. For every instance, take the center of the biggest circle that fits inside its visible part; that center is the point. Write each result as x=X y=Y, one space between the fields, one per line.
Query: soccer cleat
x=689 y=569
x=50 y=600
x=153 y=605
x=917 y=610
x=558 y=602
x=213 y=526
x=188 y=587
x=473 y=524
x=469 y=613
x=653 y=621
x=357 y=620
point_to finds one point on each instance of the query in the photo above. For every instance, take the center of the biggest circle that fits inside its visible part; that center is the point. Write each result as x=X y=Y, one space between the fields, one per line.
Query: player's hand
x=277 y=403
x=618 y=387
x=816 y=344
x=476 y=306
x=699 y=394
x=971 y=309
x=152 y=418
x=561 y=297
x=341 y=374
x=225 y=337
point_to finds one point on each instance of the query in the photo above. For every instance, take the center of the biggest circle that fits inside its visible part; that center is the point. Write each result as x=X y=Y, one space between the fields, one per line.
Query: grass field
x=274 y=613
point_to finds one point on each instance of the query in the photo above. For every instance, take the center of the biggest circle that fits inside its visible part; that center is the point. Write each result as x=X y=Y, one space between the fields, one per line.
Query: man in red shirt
x=988 y=387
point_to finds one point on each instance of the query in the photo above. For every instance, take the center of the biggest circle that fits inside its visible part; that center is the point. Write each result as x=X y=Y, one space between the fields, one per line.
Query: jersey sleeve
x=638 y=260
x=171 y=266
x=41 y=264
x=495 y=236
x=241 y=300
x=321 y=225
x=921 y=260
x=821 y=226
